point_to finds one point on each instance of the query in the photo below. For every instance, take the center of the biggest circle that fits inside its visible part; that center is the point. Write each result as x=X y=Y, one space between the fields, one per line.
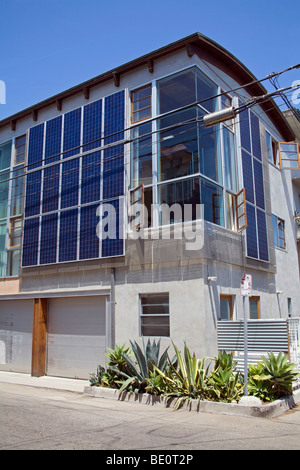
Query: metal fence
x=279 y=335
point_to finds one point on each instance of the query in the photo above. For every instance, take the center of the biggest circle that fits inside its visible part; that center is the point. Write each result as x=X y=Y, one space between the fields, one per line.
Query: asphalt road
x=44 y=419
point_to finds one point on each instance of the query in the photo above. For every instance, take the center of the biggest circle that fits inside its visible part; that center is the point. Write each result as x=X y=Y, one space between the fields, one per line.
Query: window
x=289 y=157
x=226 y=307
x=178 y=145
x=289 y=305
x=272 y=148
x=141 y=104
x=186 y=88
x=15 y=232
x=254 y=307
x=20 y=147
x=278 y=232
x=141 y=151
x=155 y=318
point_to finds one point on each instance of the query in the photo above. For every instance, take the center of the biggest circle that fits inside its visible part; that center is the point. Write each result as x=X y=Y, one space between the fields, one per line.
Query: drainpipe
x=112 y=308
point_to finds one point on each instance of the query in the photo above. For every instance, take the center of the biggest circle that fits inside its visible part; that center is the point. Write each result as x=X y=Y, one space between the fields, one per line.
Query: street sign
x=246 y=285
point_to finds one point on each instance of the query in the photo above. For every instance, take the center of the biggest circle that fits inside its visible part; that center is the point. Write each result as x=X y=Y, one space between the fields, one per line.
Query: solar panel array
x=64 y=188
x=257 y=240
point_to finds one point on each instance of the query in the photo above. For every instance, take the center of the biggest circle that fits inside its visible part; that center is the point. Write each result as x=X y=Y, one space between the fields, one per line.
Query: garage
x=76 y=336
x=16 y=317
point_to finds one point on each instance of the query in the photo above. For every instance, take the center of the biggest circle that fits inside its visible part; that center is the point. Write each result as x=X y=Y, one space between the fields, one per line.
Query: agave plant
x=225 y=380
x=279 y=372
x=189 y=380
x=147 y=360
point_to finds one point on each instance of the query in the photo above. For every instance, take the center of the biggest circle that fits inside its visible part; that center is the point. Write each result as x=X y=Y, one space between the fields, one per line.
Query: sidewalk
x=58 y=383
x=273 y=409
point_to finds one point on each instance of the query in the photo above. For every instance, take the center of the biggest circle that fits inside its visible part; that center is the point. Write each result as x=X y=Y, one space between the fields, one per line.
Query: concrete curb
x=271 y=410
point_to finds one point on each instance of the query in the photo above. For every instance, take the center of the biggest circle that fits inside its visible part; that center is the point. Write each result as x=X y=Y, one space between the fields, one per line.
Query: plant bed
x=144 y=376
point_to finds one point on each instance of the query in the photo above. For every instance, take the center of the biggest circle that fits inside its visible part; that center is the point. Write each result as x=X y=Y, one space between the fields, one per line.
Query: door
x=16 y=317
x=76 y=336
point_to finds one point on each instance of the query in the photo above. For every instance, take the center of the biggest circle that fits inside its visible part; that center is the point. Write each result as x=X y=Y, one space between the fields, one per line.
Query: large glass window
x=178 y=145
x=141 y=151
x=186 y=88
x=5 y=155
x=11 y=205
x=210 y=152
x=182 y=193
x=186 y=168
x=177 y=91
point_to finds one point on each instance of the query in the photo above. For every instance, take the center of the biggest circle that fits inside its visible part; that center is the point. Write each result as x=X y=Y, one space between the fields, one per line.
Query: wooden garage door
x=16 y=318
x=76 y=336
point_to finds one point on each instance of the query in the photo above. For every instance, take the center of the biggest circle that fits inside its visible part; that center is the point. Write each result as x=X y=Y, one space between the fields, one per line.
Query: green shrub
x=273 y=377
x=136 y=376
x=188 y=380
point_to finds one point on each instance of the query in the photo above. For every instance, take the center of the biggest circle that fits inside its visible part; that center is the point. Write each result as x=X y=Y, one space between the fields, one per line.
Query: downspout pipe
x=112 y=308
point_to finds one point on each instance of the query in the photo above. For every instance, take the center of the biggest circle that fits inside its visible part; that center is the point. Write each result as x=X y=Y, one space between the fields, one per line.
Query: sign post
x=246 y=291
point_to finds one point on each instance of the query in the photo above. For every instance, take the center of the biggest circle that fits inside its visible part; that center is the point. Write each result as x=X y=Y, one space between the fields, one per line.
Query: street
x=43 y=419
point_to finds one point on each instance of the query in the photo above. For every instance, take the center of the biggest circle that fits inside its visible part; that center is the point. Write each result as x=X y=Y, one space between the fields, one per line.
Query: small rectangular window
x=141 y=108
x=155 y=317
x=226 y=307
x=289 y=304
x=254 y=307
x=20 y=148
x=278 y=232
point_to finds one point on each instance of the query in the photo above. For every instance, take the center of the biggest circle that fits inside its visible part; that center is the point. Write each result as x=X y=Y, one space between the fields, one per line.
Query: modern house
x=123 y=215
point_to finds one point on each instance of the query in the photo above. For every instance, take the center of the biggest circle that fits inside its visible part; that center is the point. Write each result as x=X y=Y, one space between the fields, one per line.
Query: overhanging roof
x=198 y=44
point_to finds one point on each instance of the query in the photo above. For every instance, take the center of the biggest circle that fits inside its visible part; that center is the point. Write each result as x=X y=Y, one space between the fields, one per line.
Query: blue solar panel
x=114 y=114
x=35 y=146
x=113 y=246
x=50 y=189
x=70 y=184
x=89 y=241
x=262 y=235
x=30 y=242
x=259 y=184
x=72 y=130
x=255 y=135
x=33 y=193
x=53 y=140
x=92 y=117
x=113 y=172
x=48 y=245
x=248 y=176
x=251 y=232
x=55 y=187
x=245 y=130
x=90 y=177
x=68 y=235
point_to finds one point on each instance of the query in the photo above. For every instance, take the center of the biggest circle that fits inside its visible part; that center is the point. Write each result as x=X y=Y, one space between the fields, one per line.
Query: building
x=123 y=216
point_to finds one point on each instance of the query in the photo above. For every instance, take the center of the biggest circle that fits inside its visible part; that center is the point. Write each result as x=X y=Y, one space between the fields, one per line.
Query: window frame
x=255 y=298
x=21 y=153
x=279 y=231
x=230 y=299
x=142 y=315
x=274 y=149
x=135 y=121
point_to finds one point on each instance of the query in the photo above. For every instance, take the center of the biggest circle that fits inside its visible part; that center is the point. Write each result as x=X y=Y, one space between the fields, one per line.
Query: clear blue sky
x=48 y=46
